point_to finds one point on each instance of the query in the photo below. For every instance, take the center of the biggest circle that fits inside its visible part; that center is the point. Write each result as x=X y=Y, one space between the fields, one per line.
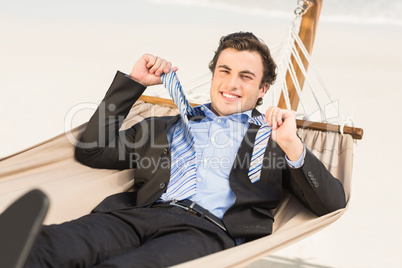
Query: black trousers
x=138 y=237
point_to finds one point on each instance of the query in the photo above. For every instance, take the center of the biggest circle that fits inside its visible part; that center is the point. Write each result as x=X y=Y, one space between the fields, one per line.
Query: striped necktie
x=183 y=171
x=260 y=145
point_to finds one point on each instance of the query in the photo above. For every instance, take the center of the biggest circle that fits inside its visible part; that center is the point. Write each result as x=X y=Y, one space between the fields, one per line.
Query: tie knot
x=258 y=120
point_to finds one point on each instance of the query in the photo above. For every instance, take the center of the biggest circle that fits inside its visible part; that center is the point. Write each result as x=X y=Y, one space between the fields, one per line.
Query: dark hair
x=242 y=41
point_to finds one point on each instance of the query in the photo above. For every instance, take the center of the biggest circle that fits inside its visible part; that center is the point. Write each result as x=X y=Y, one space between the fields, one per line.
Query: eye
x=247 y=77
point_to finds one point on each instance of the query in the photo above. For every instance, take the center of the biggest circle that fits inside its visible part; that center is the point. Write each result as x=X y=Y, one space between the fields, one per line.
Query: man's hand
x=283 y=123
x=148 y=69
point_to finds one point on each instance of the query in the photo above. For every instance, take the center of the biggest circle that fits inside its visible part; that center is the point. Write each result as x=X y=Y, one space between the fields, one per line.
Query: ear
x=263 y=90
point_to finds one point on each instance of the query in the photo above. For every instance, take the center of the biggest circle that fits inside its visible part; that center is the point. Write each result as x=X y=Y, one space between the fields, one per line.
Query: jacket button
x=162 y=185
x=165 y=151
x=312 y=179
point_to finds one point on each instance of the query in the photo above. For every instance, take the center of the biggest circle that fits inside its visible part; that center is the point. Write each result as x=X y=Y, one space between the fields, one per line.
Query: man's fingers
x=272 y=115
x=169 y=67
x=275 y=117
x=150 y=59
x=161 y=66
x=154 y=63
x=280 y=118
x=155 y=69
x=268 y=114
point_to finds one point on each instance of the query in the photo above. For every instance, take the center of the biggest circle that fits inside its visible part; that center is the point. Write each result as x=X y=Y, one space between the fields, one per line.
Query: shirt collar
x=237 y=117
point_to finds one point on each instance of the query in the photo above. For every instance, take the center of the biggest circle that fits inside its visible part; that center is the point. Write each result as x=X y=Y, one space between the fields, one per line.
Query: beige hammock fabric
x=74 y=189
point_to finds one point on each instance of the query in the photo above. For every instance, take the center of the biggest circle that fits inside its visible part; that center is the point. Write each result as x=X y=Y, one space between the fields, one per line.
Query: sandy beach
x=57 y=58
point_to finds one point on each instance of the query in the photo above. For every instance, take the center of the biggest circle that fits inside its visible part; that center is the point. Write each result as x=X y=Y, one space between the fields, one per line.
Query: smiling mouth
x=230 y=96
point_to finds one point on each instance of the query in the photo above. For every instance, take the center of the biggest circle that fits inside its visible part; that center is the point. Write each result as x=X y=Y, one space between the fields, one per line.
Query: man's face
x=235 y=83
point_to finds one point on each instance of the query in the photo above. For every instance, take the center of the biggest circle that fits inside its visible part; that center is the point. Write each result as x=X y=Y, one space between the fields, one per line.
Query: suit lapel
x=272 y=154
x=249 y=138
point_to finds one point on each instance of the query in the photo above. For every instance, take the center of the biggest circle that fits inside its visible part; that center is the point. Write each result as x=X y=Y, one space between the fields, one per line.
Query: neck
x=214 y=111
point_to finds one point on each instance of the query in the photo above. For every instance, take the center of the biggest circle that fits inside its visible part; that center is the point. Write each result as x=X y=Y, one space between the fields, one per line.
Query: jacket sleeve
x=315 y=186
x=102 y=145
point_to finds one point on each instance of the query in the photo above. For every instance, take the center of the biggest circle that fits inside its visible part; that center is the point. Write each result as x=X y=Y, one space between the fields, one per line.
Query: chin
x=223 y=108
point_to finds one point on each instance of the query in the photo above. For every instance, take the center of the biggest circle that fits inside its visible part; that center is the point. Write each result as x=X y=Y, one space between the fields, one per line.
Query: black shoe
x=19 y=226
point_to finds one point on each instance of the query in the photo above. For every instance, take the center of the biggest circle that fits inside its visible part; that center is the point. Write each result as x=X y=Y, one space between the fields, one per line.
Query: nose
x=231 y=82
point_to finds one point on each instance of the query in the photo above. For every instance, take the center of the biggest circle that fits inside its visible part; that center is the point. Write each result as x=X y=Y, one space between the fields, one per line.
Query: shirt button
x=199 y=180
x=219 y=120
x=202 y=108
x=205 y=161
x=162 y=185
x=212 y=139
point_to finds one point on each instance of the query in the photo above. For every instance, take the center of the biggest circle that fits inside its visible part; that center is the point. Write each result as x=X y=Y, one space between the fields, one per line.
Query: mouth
x=230 y=96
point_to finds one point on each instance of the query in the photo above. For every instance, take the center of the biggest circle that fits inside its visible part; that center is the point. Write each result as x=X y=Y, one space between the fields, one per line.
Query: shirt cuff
x=129 y=77
x=299 y=163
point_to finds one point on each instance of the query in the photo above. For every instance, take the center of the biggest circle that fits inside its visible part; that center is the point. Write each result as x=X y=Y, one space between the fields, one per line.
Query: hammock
x=74 y=189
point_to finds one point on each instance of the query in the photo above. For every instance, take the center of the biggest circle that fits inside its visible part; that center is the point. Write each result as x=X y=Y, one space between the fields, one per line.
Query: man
x=145 y=228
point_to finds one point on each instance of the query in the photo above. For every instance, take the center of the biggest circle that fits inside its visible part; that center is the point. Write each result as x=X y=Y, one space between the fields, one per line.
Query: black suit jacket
x=144 y=147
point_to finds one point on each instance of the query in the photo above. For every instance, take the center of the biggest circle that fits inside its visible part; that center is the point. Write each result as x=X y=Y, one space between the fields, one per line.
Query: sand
x=59 y=65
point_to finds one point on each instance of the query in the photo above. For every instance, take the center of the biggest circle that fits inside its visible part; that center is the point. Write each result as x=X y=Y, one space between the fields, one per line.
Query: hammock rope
x=285 y=65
